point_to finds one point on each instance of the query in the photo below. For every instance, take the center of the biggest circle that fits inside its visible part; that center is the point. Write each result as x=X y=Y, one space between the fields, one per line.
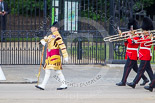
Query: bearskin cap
x=147 y=24
x=55 y=24
x=133 y=22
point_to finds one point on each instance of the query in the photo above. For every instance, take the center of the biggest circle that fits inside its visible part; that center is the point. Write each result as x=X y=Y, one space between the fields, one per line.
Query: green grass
x=89 y=52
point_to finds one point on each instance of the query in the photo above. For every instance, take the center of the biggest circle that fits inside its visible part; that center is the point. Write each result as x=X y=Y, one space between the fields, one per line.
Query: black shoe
x=133 y=85
x=144 y=82
x=148 y=88
x=121 y=84
x=39 y=87
x=61 y=88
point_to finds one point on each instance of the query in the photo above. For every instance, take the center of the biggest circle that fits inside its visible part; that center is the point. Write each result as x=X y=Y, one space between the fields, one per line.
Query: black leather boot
x=121 y=84
x=133 y=85
x=148 y=88
x=144 y=82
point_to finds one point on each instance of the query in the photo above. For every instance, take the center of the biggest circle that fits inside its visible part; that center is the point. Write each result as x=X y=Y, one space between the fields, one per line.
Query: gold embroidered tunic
x=54 y=44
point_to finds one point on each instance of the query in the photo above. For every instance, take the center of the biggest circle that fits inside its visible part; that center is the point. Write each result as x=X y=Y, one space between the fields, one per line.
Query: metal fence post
x=79 y=49
x=111 y=31
x=45 y=15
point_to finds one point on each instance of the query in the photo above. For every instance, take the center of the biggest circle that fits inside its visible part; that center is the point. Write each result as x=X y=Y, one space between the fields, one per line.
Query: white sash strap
x=132 y=49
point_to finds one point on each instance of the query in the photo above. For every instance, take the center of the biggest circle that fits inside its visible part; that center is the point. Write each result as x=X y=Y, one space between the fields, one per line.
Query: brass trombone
x=150 y=43
x=106 y=39
x=149 y=32
x=121 y=34
x=136 y=34
x=152 y=31
x=120 y=38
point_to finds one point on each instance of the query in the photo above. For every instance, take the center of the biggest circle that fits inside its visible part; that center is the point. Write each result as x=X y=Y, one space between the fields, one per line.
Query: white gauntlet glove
x=43 y=42
x=45 y=37
x=135 y=41
x=66 y=59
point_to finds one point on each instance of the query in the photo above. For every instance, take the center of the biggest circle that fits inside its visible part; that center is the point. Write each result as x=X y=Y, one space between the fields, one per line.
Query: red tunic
x=145 y=51
x=132 y=49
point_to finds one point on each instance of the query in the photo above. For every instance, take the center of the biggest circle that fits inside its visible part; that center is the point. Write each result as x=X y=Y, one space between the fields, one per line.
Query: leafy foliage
x=92 y=8
x=29 y=7
x=147 y=3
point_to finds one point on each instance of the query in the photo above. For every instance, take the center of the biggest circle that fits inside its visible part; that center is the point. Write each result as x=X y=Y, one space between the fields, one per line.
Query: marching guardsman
x=54 y=43
x=145 y=54
x=131 y=55
x=151 y=85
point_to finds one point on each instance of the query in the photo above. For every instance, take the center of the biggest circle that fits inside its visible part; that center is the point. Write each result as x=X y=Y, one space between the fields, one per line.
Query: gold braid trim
x=53 y=62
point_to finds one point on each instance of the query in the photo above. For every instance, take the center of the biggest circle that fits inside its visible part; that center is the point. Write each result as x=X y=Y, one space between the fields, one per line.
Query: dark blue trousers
x=144 y=66
x=152 y=84
x=127 y=68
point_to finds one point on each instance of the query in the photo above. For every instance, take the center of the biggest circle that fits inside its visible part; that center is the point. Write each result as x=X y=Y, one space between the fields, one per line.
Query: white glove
x=45 y=37
x=43 y=42
x=135 y=41
x=66 y=59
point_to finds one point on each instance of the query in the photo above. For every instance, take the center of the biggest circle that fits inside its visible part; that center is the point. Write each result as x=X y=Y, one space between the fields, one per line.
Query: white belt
x=145 y=48
x=132 y=49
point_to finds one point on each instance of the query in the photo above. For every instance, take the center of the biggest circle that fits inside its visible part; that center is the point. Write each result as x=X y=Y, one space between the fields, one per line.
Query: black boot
x=133 y=85
x=148 y=88
x=61 y=88
x=39 y=87
x=121 y=84
x=144 y=82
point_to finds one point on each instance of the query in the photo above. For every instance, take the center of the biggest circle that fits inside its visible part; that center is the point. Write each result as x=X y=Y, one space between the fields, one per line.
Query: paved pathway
x=87 y=84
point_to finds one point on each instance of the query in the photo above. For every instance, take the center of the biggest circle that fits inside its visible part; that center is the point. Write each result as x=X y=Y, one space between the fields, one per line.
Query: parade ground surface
x=86 y=84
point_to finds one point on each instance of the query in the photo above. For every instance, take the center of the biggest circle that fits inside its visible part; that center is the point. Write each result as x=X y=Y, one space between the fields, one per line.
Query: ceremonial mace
x=40 y=65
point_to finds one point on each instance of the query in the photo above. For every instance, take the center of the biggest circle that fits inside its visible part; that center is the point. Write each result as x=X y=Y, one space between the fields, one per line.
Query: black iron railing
x=83 y=25
x=22 y=47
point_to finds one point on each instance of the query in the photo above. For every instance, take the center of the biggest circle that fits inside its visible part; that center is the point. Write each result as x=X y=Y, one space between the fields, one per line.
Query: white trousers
x=47 y=76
